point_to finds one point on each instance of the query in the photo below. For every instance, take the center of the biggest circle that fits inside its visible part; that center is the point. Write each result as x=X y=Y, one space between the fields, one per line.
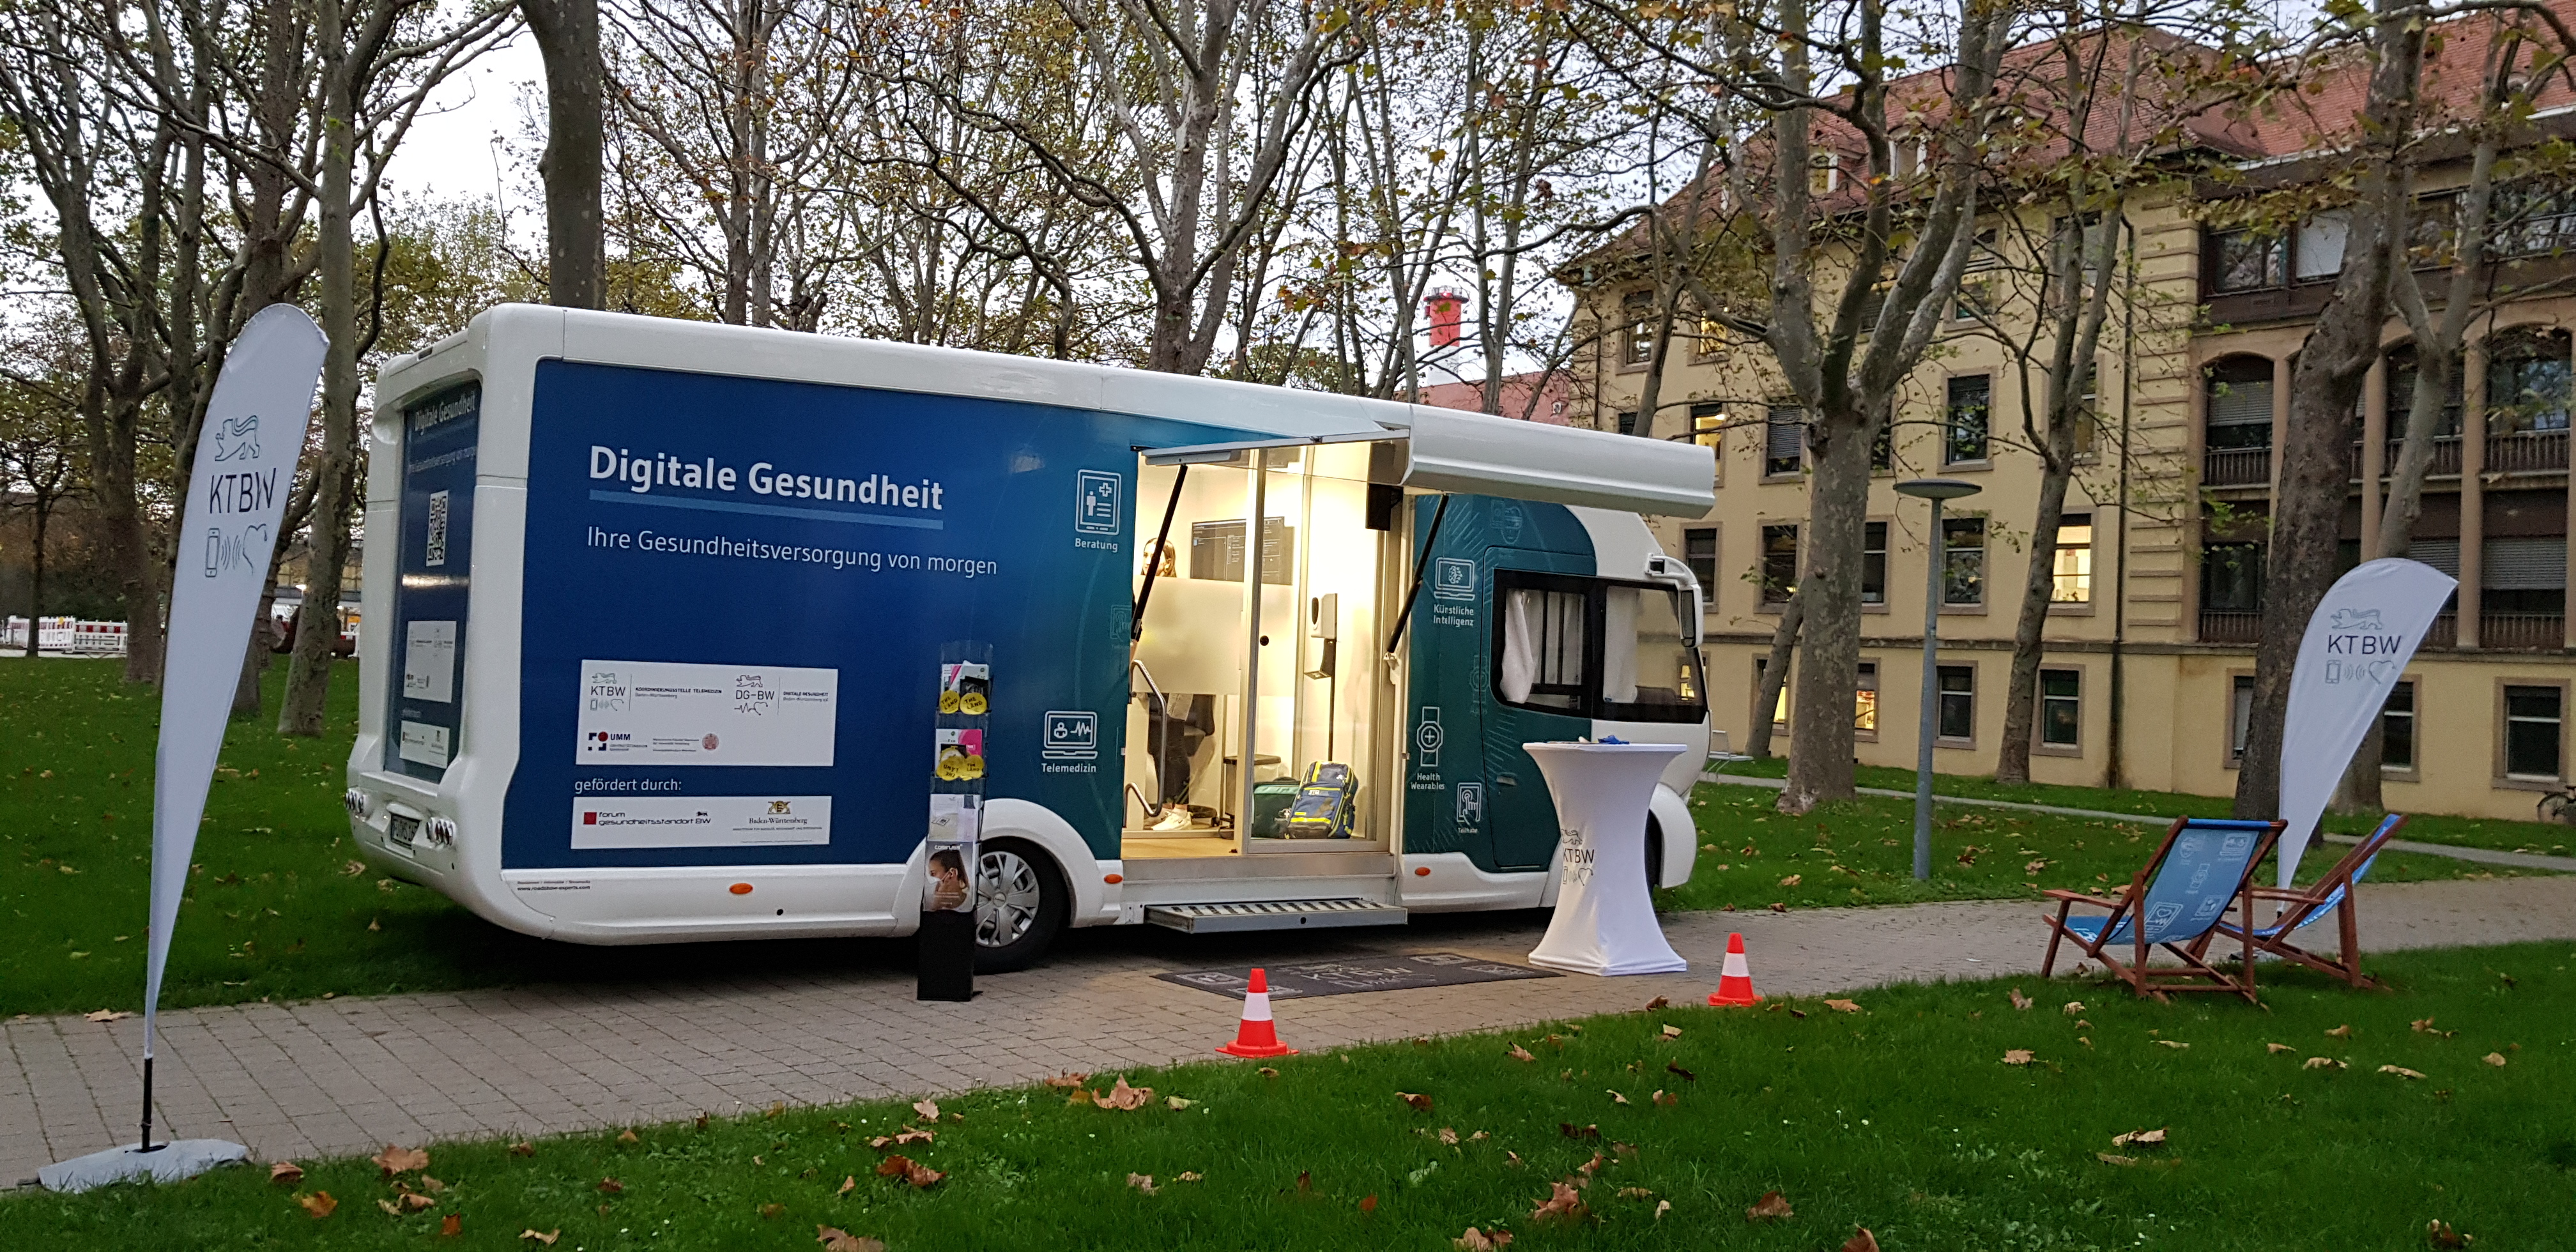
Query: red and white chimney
x=1444 y=307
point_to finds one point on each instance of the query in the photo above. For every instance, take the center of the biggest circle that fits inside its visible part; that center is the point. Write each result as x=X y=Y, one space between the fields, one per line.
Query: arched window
x=2527 y=380
x=2401 y=375
x=2240 y=403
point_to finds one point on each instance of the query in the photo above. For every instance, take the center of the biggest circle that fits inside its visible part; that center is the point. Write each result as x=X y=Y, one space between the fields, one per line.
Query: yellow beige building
x=2157 y=585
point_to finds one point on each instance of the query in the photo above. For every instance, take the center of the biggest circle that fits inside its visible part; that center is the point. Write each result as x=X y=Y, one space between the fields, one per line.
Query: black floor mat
x=1390 y=972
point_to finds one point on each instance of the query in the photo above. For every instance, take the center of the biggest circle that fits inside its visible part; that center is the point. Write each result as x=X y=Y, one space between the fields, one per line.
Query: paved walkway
x=343 y=1076
x=2457 y=852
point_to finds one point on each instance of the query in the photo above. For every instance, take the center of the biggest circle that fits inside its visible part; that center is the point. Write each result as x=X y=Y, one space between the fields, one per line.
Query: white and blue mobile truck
x=673 y=616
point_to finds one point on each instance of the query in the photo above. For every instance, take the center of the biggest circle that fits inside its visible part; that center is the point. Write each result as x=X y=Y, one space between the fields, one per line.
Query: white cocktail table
x=1604 y=922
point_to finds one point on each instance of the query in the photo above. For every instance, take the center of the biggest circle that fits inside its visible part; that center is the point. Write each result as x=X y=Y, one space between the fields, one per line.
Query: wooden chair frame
x=2197 y=973
x=2304 y=903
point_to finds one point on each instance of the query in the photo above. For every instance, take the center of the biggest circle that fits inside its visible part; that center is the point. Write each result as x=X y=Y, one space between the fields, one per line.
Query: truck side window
x=1543 y=649
x=1649 y=670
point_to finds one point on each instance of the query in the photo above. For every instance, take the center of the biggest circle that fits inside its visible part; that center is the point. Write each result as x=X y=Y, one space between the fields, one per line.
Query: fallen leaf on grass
x=1512 y=1159
x=610 y=1186
x=1662 y=1207
x=1448 y=1137
x=390 y=1207
x=1778 y=907
x=1064 y=1081
x=2345 y=1031
x=2017 y=1056
x=849 y=1183
x=1478 y=1241
x=1863 y=1241
x=2495 y=1058
x=353 y=869
x=909 y=1170
x=2034 y=867
x=909 y=1134
x=413 y=1201
x=2439 y=1233
x=1121 y=1096
x=1564 y=1201
x=1791 y=880
x=395 y=1160
x=1267 y=1072
x=1772 y=1207
x=2147 y=1137
x=450 y=1226
x=628 y=1137
x=1616 y=1098
x=2020 y=1001
x=2110 y=1158
x=1843 y=1006
x=1176 y=1104
x=835 y=1239
x=2278 y=1048
x=1659 y=1002
x=2072 y=1008
x=929 y=1109
x=546 y=1237
x=319 y=1204
x=287 y=1172
x=1672 y=1031
x=2171 y=1043
x=2324 y=1062
x=105 y=1015
x=1141 y=1182
x=1368 y=1204
x=1572 y=1131
x=776 y=1107
x=1671 y=1067
x=1666 y=1099
x=2401 y=1071
x=1519 y=1053
x=1418 y=1103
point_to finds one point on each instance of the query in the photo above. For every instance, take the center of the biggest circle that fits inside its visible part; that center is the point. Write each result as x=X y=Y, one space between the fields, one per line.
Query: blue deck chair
x=2306 y=906
x=2175 y=902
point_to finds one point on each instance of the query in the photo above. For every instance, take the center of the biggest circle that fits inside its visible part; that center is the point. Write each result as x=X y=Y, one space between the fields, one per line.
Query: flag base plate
x=175 y=1161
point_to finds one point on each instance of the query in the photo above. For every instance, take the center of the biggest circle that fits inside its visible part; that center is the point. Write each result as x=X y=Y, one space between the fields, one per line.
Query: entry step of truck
x=1274 y=915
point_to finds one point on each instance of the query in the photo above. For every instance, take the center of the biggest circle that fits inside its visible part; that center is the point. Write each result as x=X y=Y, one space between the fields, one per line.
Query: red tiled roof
x=1544 y=397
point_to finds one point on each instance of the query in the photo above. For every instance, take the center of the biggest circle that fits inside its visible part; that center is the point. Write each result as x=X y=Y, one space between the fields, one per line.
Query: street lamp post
x=1936 y=490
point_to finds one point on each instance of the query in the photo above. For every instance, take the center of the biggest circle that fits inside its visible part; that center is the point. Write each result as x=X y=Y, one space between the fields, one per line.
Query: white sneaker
x=1175 y=817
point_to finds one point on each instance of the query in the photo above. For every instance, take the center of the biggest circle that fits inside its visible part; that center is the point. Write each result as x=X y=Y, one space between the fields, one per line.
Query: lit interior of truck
x=1302 y=716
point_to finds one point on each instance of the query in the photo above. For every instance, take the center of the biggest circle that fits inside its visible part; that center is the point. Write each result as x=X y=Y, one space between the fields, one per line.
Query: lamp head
x=1937 y=488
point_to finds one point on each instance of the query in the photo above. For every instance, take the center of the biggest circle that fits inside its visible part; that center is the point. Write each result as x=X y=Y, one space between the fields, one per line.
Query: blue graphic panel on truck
x=777 y=565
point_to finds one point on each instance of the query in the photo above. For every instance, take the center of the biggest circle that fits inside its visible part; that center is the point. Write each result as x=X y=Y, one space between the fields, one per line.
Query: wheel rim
x=1008 y=894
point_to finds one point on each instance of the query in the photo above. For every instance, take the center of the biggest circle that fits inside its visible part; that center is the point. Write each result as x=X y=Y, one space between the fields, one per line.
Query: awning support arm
x=1136 y=628
x=1420 y=565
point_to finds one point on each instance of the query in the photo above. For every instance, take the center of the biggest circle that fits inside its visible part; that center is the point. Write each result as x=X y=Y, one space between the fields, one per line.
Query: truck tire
x=1654 y=853
x=1020 y=906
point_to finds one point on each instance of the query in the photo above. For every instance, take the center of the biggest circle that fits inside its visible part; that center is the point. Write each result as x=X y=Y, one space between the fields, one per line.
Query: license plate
x=399 y=831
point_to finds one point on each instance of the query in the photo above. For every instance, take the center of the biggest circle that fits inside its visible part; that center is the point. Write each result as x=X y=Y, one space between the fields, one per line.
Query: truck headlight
x=441 y=831
x=360 y=805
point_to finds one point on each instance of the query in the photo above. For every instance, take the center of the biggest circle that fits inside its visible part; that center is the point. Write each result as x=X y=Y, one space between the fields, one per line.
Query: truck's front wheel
x=1020 y=905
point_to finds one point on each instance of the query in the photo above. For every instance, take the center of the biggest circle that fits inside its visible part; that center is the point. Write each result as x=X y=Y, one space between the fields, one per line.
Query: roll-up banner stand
x=246 y=456
x=2357 y=646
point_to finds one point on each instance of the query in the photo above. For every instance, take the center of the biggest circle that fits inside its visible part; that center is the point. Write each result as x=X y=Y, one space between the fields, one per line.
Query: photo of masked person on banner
x=948 y=883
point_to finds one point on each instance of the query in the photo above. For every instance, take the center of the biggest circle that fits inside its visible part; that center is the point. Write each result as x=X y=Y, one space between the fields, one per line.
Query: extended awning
x=1447 y=450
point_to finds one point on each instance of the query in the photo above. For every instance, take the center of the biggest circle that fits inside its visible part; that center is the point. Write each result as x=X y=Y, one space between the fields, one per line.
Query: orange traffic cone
x=1256 y=1036
x=1735 y=980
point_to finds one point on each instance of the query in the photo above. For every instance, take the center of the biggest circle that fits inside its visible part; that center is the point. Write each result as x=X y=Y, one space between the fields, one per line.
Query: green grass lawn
x=1861 y=851
x=275 y=913
x=2473 y=832
x=1901 y=1117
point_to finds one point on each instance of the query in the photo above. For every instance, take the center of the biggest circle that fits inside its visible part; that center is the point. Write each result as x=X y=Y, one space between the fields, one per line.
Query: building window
x=1963 y=561
x=2240 y=717
x=1824 y=173
x=1627 y=421
x=1970 y=408
x=1865 y=700
x=1784 y=445
x=2401 y=375
x=2527 y=381
x=1637 y=332
x=2239 y=412
x=2074 y=562
x=1779 y=563
x=1708 y=425
x=1699 y=551
x=1957 y=712
x=1873 y=563
x=2523 y=574
x=2061 y=707
x=2319 y=248
x=2241 y=260
x=2532 y=716
x=2532 y=219
x=2231 y=577
x=1779 y=703
x=2397 y=728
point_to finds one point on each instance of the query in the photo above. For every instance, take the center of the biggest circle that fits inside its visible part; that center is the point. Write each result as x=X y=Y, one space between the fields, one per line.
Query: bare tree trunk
x=1775 y=673
x=308 y=675
x=2039 y=585
x=2307 y=508
x=567 y=33
x=36 y=574
x=1820 y=715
